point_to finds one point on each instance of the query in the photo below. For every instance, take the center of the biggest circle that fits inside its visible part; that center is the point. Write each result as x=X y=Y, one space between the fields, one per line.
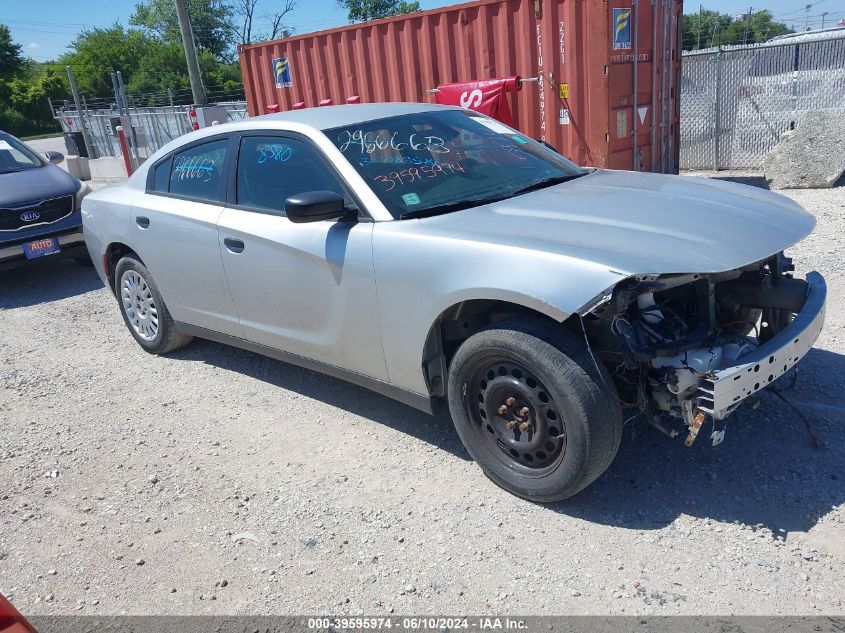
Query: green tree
x=211 y=20
x=149 y=65
x=30 y=95
x=99 y=52
x=364 y=10
x=11 y=62
x=706 y=29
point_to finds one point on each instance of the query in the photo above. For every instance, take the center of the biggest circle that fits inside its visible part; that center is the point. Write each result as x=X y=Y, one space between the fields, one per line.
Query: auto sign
x=30 y=216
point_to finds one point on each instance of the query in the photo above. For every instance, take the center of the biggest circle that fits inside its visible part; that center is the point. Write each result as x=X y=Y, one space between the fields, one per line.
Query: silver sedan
x=441 y=258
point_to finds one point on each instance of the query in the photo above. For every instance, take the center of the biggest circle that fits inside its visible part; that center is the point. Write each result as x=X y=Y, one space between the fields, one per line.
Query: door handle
x=234 y=245
x=142 y=221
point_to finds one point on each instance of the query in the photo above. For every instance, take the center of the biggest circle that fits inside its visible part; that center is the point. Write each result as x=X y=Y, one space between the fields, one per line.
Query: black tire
x=84 y=260
x=166 y=337
x=574 y=419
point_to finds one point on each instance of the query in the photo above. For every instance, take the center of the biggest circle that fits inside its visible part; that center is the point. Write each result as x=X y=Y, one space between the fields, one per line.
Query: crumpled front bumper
x=721 y=391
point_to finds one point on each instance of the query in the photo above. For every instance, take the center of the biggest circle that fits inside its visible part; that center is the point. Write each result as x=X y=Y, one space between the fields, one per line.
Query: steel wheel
x=139 y=305
x=515 y=416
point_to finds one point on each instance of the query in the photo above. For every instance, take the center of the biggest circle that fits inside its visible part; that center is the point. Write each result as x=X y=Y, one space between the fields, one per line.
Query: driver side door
x=306 y=289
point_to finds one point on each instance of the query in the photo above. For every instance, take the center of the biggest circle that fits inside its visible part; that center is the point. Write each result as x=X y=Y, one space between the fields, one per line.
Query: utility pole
x=807 y=21
x=197 y=88
x=700 y=24
x=824 y=14
x=747 y=25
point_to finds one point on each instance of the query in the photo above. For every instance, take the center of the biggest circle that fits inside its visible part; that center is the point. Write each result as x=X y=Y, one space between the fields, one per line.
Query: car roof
x=325 y=117
x=835 y=32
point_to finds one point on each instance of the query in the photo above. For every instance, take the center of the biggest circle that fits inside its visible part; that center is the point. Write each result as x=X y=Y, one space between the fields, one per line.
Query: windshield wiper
x=14 y=171
x=466 y=204
x=448 y=208
x=548 y=182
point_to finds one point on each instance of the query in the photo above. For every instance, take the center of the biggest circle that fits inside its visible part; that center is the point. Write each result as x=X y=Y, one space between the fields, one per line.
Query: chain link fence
x=736 y=102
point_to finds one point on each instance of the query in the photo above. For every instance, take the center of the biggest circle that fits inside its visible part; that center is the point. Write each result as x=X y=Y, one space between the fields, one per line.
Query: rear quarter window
x=161 y=176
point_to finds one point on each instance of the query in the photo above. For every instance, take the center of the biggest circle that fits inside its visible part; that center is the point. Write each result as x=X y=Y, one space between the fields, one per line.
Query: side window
x=198 y=172
x=161 y=175
x=272 y=168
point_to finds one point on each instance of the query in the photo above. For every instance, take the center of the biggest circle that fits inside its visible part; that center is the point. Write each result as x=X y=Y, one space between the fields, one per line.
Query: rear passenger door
x=174 y=230
x=307 y=289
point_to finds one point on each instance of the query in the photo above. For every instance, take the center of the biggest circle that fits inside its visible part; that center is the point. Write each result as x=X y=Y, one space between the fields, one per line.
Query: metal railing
x=736 y=102
x=151 y=128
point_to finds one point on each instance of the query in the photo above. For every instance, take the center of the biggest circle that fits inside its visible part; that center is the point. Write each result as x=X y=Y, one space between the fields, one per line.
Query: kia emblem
x=30 y=216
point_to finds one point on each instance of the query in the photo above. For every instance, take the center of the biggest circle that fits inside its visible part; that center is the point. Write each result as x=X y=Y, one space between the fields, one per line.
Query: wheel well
x=455 y=325
x=114 y=252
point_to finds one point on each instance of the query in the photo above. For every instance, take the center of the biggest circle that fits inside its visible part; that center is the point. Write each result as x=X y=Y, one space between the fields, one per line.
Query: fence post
x=89 y=147
x=127 y=160
x=717 y=114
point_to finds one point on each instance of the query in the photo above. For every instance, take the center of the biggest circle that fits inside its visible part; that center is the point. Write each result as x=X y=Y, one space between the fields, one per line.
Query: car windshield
x=441 y=161
x=15 y=156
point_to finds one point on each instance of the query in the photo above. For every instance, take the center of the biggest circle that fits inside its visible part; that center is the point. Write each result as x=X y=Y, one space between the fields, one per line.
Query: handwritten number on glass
x=369 y=142
x=276 y=152
x=194 y=168
x=407 y=176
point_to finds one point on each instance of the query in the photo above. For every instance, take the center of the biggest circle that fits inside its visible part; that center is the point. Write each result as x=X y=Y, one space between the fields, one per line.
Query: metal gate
x=151 y=128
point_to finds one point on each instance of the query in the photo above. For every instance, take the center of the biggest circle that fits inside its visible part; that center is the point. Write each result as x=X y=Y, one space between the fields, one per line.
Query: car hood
x=639 y=223
x=35 y=184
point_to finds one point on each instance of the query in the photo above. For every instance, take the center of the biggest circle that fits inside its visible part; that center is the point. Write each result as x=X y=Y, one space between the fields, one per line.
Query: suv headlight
x=83 y=191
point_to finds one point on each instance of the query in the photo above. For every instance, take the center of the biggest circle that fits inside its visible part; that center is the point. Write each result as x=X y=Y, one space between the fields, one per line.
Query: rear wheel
x=143 y=308
x=533 y=410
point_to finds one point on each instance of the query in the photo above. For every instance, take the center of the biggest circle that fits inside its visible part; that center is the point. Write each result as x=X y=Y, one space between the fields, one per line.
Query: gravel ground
x=216 y=481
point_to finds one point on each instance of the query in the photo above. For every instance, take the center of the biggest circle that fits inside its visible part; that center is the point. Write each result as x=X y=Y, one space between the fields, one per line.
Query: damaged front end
x=688 y=349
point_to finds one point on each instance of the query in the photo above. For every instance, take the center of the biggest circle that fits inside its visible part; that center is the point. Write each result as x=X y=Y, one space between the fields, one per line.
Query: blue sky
x=46 y=27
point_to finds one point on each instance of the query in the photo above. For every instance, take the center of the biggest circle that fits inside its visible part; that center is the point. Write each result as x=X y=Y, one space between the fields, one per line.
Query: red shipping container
x=607 y=71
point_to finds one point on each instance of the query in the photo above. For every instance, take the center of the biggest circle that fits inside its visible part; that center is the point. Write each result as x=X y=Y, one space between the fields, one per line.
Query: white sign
x=642 y=112
x=498 y=128
x=564 y=116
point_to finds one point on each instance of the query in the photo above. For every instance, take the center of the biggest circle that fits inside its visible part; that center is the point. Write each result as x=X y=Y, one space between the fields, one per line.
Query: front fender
x=420 y=276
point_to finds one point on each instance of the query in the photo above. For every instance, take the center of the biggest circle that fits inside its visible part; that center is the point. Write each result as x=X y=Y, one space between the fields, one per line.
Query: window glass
x=198 y=172
x=161 y=176
x=271 y=169
x=15 y=156
x=443 y=160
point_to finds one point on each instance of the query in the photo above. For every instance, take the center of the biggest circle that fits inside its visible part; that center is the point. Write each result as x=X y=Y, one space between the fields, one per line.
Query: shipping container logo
x=621 y=28
x=281 y=72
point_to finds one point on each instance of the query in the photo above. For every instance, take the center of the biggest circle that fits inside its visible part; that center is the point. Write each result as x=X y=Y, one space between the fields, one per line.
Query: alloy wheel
x=139 y=305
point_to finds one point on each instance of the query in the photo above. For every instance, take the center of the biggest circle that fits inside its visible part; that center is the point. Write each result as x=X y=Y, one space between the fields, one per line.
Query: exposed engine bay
x=686 y=349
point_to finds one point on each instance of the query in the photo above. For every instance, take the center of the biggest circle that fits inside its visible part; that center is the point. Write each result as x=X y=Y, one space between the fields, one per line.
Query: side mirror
x=315 y=206
x=54 y=157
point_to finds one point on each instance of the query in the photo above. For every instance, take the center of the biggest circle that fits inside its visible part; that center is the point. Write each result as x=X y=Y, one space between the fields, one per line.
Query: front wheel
x=143 y=308
x=542 y=419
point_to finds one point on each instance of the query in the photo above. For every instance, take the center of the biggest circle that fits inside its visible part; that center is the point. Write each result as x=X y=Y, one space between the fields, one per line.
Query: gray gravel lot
x=216 y=481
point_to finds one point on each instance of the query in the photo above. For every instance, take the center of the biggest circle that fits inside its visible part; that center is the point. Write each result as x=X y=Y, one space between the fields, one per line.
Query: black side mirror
x=54 y=157
x=315 y=206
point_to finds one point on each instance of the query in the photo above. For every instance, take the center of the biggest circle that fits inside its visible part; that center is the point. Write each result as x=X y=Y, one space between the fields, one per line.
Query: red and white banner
x=487 y=96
